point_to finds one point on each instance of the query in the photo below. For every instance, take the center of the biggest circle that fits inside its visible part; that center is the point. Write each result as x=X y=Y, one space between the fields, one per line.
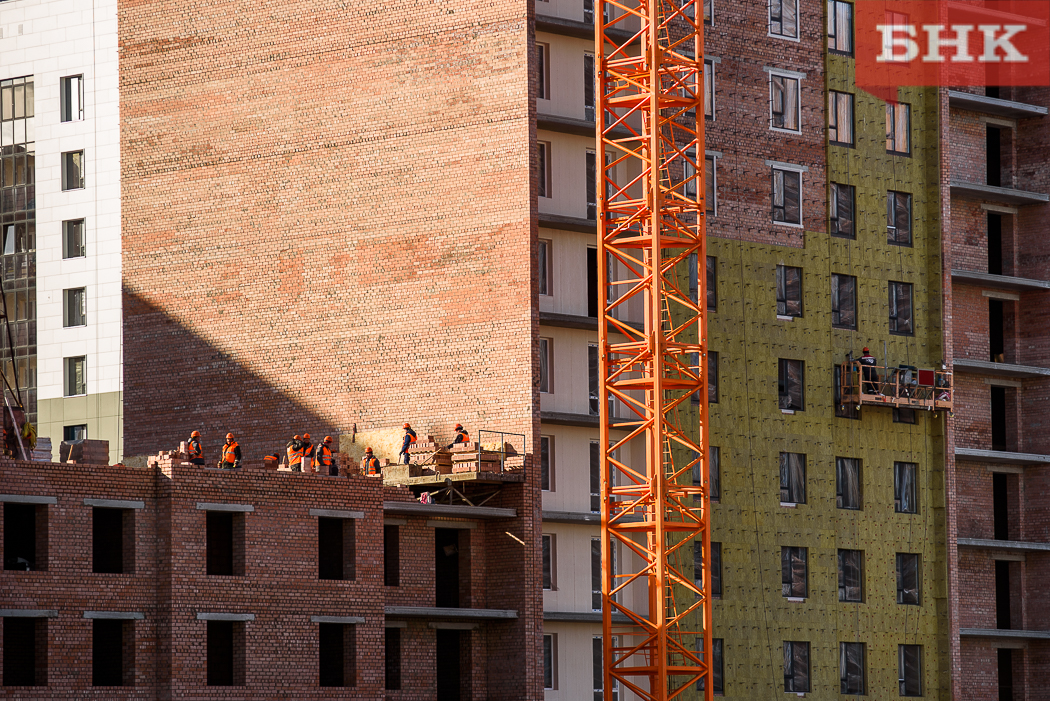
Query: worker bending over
x=231 y=454
x=406 y=443
x=295 y=454
x=196 y=451
x=369 y=464
x=461 y=436
x=326 y=459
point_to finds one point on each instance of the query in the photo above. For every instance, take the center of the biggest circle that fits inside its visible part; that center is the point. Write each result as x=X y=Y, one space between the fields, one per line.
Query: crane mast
x=652 y=341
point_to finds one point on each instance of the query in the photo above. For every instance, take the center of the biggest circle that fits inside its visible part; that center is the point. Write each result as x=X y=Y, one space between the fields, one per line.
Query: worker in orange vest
x=369 y=464
x=231 y=454
x=410 y=438
x=461 y=436
x=308 y=446
x=326 y=459
x=196 y=451
x=295 y=454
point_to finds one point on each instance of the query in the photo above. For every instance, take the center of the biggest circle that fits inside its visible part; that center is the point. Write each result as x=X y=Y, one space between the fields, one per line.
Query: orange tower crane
x=652 y=347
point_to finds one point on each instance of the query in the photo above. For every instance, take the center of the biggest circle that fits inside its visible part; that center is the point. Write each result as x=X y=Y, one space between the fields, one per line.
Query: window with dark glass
x=75 y=307
x=851 y=575
x=792 y=478
x=76 y=376
x=716 y=567
x=73 y=170
x=908 y=577
x=547 y=557
x=596 y=574
x=851 y=668
x=909 y=670
x=901 y=319
x=787 y=196
x=543 y=76
x=544 y=266
x=73 y=241
x=898 y=218
x=712 y=284
x=712 y=377
x=847 y=483
x=904 y=416
x=843 y=409
x=71 y=90
x=790 y=377
x=593 y=383
x=544 y=188
x=592 y=185
x=841 y=210
x=546 y=463
x=595 y=476
x=796 y=666
x=717 y=667
x=840 y=118
x=709 y=11
x=546 y=353
x=843 y=301
x=793 y=572
x=905 y=493
x=588 y=81
x=898 y=128
x=840 y=27
x=710 y=186
x=789 y=291
x=549 y=660
x=709 y=86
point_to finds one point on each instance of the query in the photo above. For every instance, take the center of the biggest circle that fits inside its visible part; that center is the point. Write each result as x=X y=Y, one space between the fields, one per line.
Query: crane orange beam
x=651 y=209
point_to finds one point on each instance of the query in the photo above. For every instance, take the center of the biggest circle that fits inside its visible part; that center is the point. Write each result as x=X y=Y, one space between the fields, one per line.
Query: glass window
x=592 y=185
x=851 y=668
x=543 y=54
x=74 y=244
x=848 y=492
x=546 y=463
x=783 y=18
x=595 y=477
x=790 y=384
x=710 y=186
x=593 y=381
x=841 y=211
x=598 y=670
x=840 y=27
x=73 y=170
x=898 y=218
x=544 y=187
x=904 y=416
x=901 y=320
x=851 y=575
x=789 y=291
x=712 y=377
x=787 y=196
x=843 y=410
x=908 y=577
x=545 y=267
x=796 y=666
x=549 y=657
x=546 y=352
x=785 y=103
x=74 y=433
x=75 y=307
x=905 y=497
x=588 y=11
x=588 y=81
x=76 y=380
x=840 y=118
x=709 y=86
x=548 y=561
x=596 y=574
x=898 y=128
x=843 y=301
x=717 y=666
x=712 y=284
x=792 y=478
x=793 y=575
x=709 y=11
x=72 y=98
x=909 y=669
x=716 y=567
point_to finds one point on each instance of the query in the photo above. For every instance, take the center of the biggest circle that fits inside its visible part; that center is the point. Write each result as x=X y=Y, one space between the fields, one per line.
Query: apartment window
x=898 y=128
x=393 y=659
x=847 y=483
x=74 y=244
x=901 y=309
x=546 y=352
x=592 y=185
x=843 y=301
x=792 y=478
x=76 y=432
x=25 y=539
x=785 y=103
x=550 y=659
x=851 y=575
x=391 y=555
x=598 y=670
x=717 y=666
x=789 y=291
x=783 y=18
x=73 y=170
x=335 y=548
x=548 y=562
x=714 y=473
x=225 y=653
x=908 y=575
x=905 y=497
x=712 y=377
x=796 y=666
x=709 y=87
x=843 y=409
x=588 y=11
x=113 y=541
x=225 y=543
x=543 y=76
x=898 y=218
x=710 y=186
x=337 y=654
x=72 y=94
x=112 y=652
x=596 y=574
x=25 y=650
x=787 y=196
x=840 y=118
x=712 y=283
x=716 y=567
x=76 y=380
x=593 y=381
x=544 y=188
x=545 y=271
x=904 y=416
x=793 y=572
x=840 y=27
x=709 y=11
x=588 y=84
x=75 y=307
x=595 y=477
x=790 y=377
x=851 y=668
x=547 y=463
x=843 y=198
x=909 y=670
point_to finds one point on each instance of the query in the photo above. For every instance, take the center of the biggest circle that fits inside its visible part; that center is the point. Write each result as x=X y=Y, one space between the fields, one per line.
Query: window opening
x=843 y=301
x=25 y=537
x=453 y=667
x=840 y=118
x=1006 y=673
x=712 y=284
x=73 y=241
x=851 y=575
x=113 y=540
x=75 y=307
x=335 y=548
x=446 y=567
x=792 y=478
x=995 y=243
x=909 y=669
x=76 y=377
x=842 y=207
x=994 y=159
x=72 y=93
x=908 y=579
x=789 y=291
x=783 y=18
x=391 y=555
x=546 y=353
x=898 y=218
x=546 y=463
x=790 y=379
x=548 y=561
x=549 y=657
x=998 y=415
x=848 y=483
x=843 y=410
x=588 y=75
x=225 y=534
x=840 y=27
x=796 y=666
x=898 y=128
x=592 y=282
x=112 y=652
x=851 y=668
x=901 y=319
x=905 y=493
x=592 y=186
x=393 y=659
x=787 y=196
x=1000 y=506
x=544 y=266
x=1002 y=595
x=336 y=654
x=593 y=396
x=996 y=331
x=785 y=103
x=226 y=653
x=25 y=651
x=73 y=170
x=793 y=572
x=595 y=477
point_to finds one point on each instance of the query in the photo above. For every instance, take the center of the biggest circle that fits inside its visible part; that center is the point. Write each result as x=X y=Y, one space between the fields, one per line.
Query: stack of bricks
x=86 y=451
x=42 y=450
x=428 y=454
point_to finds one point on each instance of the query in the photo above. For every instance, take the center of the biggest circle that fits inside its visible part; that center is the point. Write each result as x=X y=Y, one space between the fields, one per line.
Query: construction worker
x=868 y=373
x=326 y=459
x=369 y=464
x=196 y=452
x=231 y=454
x=406 y=443
x=461 y=436
x=295 y=454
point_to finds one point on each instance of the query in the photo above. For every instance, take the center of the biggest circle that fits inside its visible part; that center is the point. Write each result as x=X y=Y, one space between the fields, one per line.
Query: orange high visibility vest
x=196 y=451
x=324 y=455
x=228 y=453
x=295 y=456
x=369 y=465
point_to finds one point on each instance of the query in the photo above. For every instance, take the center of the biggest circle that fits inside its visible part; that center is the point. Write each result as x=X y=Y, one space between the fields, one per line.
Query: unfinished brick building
x=176 y=581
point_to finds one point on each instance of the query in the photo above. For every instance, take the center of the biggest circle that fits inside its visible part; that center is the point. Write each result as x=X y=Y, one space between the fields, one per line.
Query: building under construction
x=339 y=217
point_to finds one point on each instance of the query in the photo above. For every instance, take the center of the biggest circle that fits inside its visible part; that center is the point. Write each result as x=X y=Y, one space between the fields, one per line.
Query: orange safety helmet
x=368 y=449
x=327 y=439
x=229 y=436
x=306 y=436
x=195 y=434
x=295 y=437
x=459 y=426
x=407 y=425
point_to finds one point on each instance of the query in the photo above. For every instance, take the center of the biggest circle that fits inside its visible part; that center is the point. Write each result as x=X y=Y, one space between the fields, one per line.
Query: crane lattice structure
x=651 y=232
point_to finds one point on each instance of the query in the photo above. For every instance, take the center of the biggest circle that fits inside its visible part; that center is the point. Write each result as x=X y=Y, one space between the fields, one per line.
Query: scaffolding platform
x=902 y=387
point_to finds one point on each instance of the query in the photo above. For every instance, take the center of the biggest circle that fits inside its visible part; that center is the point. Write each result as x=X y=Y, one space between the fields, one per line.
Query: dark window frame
x=547 y=559
x=852 y=669
x=74 y=238
x=790 y=294
x=796 y=666
x=833 y=28
x=899 y=218
x=898 y=292
x=909 y=579
x=786 y=387
x=794 y=572
x=839 y=102
x=785 y=213
x=842 y=410
x=73 y=179
x=909 y=657
x=840 y=282
x=780 y=111
x=905 y=487
x=851 y=575
x=837 y=209
x=547 y=463
x=792 y=478
x=776 y=15
x=843 y=499
x=892 y=119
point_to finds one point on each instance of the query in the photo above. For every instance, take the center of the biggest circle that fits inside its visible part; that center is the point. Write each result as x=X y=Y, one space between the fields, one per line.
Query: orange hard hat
x=327 y=439
x=407 y=425
x=229 y=436
x=459 y=426
x=865 y=349
x=306 y=436
x=195 y=434
x=296 y=437
x=368 y=449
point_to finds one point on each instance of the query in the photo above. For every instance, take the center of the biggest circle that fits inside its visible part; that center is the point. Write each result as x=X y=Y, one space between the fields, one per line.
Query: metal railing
x=903 y=386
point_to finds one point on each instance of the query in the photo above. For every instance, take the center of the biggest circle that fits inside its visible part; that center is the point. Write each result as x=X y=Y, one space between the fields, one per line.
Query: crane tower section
x=652 y=339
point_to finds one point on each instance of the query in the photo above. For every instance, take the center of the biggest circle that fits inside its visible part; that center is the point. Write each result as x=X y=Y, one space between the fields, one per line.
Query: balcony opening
x=996 y=327
x=451 y=576
x=1000 y=506
x=225 y=543
x=1002 y=435
x=1002 y=594
x=112 y=653
x=225 y=653
x=995 y=243
x=336 y=656
x=1006 y=674
x=391 y=555
x=25 y=651
x=453 y=665
x=113 y=540
x=335 y=548
x=392 y=658
x=995 y=156
x=25 y=537
x=592 y=282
